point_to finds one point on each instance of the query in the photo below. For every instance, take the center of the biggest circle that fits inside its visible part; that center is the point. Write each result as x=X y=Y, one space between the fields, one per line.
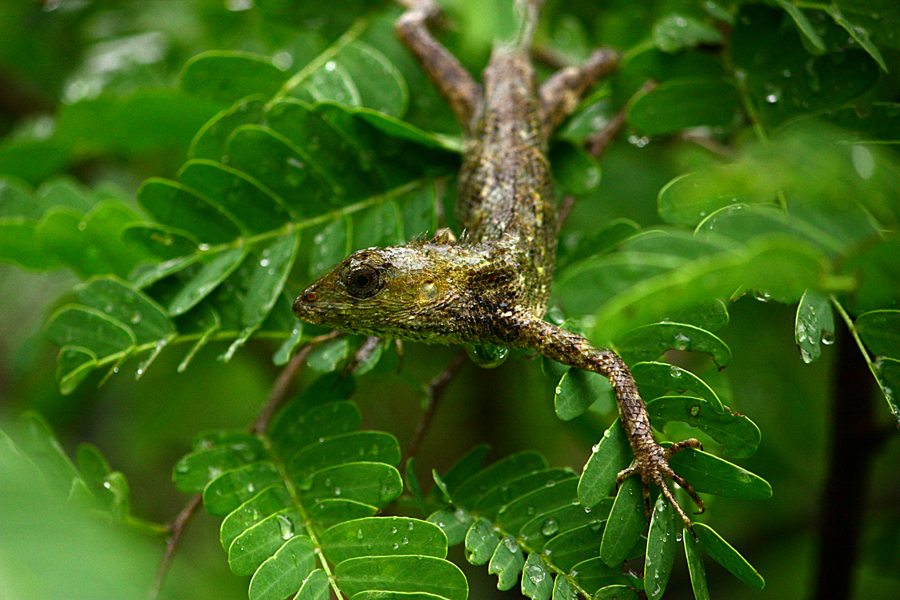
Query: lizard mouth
x=304 y=305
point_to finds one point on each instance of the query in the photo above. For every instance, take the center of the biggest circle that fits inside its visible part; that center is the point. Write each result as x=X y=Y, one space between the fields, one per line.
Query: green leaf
x=805 y=27
x=255 y=208
x=160 y=241
x=626 y=521
x=207 y=279
x=594 y=576
x=675 y=379
x=497 y=475
x=373 y=446
x=610 y=456
x=379 y=84
x=229 y=490
x=888 y=370
x=676 y=32
x=454 y=522
x=465 y=467
x=780 y=75
x=616 y=592
x=146 y=320
x=259 y=507
x=493 y=502
x=178 y=206
x=537 y=582
x=315 y=587
x=506 y=563
x=695 y=568
x=777 y=267
x=520 y=510
x=576 y=545
x=682 y=103
x=542 y=528
x=661 y=545
x=211 y=141
x=738 y=435
x=651 y=341
x=574 y=168
x=91 y=329
x=40 y=444
x=290 y=172
x=562 y=590
x=690 y=198
x=879 y=330
x=707 y=473
x=383 y=536
x=366 y=482
x=402 y=574
x=860 y=34
x=254 y=546
x=327 y=357
x=330 y=246
x=578 y=390
x=268 y=279
x=226 y=77
x=193 y=472
x=722 y=552
x=814 y=325
x=331 y=511
x=285 y=572
x=481 y=542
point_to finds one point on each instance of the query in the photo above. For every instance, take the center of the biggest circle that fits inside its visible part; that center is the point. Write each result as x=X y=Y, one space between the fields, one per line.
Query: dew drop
x=549 y=527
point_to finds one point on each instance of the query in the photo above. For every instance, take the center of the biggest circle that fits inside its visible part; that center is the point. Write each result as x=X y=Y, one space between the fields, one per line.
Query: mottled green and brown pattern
x=492 y=286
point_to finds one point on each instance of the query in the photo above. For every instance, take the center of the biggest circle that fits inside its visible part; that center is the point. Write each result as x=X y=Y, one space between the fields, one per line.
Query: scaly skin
x=492 y=286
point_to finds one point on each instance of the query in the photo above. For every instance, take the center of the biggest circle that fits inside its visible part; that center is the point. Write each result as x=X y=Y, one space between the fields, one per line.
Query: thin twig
x=277 y=394
x=434 y=391
x=597 y=143
x=282 y=386
x=176 y=530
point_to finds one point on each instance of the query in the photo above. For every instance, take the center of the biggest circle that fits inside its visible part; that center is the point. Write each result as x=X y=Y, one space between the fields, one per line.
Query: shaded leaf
x=738 y=435
x=661 y=546
x=402 y=574
x=707 y=473
x=610 y=456
x=722 y=552
x=814 y=325
x=626 y=521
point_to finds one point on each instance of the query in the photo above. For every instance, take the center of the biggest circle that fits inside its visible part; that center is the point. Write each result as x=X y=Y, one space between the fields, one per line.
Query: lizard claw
x=652 y=464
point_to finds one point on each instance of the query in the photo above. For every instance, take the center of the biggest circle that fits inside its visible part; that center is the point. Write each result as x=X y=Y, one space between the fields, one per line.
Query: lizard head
x=405 y=292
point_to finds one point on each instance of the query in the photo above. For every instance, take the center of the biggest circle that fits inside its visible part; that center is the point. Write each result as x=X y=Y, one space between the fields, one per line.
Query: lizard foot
x=652 y=464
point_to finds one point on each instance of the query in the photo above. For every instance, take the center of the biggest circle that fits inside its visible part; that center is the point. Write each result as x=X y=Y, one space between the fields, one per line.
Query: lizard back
x=505 y=185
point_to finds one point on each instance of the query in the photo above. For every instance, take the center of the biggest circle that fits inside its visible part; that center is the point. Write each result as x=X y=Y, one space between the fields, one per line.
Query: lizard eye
x=363 y=282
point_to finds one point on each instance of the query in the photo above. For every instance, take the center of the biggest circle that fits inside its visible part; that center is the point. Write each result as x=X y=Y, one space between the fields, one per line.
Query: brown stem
x=176 y=530
x=853 y=443
x=277 y=394
x=597 y=143
x=434 y=391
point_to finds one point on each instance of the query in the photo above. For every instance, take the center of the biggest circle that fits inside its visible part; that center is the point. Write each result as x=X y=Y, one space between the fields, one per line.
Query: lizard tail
x=528 y=11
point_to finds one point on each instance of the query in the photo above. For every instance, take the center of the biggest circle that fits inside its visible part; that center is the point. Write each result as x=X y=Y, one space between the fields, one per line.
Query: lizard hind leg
x=562 y=92
x=455 y=84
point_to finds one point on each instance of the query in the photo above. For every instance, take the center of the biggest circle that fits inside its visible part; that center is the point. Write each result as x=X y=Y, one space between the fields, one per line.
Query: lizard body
x=492 y=286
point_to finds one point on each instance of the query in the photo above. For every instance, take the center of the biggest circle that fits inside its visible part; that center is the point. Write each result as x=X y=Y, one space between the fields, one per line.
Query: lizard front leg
x=651 y=461
x=456 y=85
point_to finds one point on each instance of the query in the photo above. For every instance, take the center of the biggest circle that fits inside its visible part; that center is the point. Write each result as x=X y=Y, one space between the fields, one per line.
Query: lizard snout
x=305 y=301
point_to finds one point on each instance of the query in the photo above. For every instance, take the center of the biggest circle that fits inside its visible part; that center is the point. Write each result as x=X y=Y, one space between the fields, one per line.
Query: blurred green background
x=65 y=63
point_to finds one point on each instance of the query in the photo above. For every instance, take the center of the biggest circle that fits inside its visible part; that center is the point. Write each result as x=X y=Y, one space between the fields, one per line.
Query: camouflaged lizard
x=491 y=287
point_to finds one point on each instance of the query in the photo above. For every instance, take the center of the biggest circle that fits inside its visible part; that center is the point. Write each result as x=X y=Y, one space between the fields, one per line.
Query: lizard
x=492 y=285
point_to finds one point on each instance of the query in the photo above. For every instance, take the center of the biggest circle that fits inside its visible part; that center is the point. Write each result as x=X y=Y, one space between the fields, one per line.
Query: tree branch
x=434 y=391
x=854 y=441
